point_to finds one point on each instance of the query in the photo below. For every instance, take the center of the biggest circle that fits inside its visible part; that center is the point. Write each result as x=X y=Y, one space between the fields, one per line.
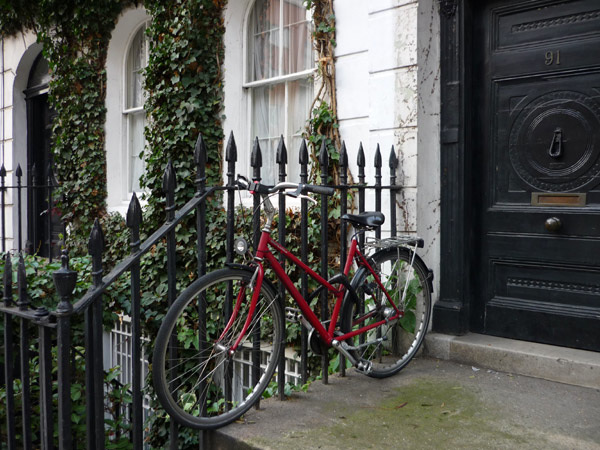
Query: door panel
x=537 y=87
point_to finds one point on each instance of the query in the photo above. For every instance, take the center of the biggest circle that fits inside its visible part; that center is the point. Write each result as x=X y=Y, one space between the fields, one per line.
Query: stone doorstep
x=565 y=365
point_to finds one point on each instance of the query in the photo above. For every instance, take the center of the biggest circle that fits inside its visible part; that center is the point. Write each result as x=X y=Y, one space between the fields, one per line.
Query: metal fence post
x=93 y=355
x=64 y=280
x=45 y=380
x=324 y=162
x=49 y=210
x=134 y=220
x=256 y=163
x=23 y=304
x=281 y=160
x=393 y=164
x=8 y=348
x=19 y=174
x=377 y=164
x=303 y=160
x=169 y=184
x=231 y=158
x=361 y=162
x=200 y=161
x=343 y=226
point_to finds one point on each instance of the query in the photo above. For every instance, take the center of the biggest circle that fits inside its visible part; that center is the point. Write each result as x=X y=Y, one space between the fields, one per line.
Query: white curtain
x=281 y=107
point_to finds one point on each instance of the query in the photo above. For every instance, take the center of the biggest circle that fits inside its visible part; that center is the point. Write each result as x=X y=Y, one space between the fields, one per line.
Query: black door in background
x=43 y=223
x=536 y=141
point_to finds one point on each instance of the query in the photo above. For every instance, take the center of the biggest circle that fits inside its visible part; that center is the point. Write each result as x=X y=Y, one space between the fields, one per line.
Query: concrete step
x=430 y=404
x=565 y=365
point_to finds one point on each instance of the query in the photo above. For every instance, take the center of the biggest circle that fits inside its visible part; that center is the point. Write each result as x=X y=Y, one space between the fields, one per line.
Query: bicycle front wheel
x=387 y=348
x=200 y=381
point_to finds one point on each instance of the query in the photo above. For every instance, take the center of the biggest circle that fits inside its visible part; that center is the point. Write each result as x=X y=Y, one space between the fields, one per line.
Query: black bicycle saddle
x=367 y=219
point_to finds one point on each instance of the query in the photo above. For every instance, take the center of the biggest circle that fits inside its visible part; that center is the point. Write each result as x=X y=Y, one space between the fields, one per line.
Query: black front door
x=43 y=221
x=536 y=141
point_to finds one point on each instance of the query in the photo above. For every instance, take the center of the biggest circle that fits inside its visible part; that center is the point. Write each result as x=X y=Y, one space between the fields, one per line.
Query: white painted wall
x=428 y=142
x=387 y=67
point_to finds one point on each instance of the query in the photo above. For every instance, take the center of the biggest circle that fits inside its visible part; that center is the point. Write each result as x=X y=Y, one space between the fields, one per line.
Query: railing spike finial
x=200 y=150
x=393 y=162
x=303 y=156
x=360 y=159
x=134 y=213
x=96 y=240
x=256 y=155
x=64 y=280
x=323 y=155
x=231 y=150
x=343 y=155
x=378 y=157
x=2 y=171
x=281 y=156
x=169 y=178
x=19 y=171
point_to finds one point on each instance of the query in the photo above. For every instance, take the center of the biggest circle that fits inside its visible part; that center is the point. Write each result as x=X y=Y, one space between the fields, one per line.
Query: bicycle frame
x=327 y=335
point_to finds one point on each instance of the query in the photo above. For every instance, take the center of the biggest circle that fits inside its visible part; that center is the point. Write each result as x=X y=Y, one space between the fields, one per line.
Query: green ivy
x=185 y=94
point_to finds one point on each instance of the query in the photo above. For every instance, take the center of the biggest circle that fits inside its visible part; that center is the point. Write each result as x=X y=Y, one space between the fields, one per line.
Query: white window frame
x=116 y=128
x=272 y=81
x=128 y=113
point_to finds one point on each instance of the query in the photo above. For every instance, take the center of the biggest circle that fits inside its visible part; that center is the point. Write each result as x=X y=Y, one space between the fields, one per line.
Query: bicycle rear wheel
x=386 y=349
x=199 y=382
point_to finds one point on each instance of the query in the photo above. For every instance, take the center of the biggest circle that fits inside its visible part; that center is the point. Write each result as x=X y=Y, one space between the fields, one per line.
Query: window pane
x=300 y=95
x=263 y=51
x=297 y=44
x=268 y=122
x=265 y=58
x=300 y=98
x=136 y=143
x=136 y=62
x=294 y=11
x=298 y=51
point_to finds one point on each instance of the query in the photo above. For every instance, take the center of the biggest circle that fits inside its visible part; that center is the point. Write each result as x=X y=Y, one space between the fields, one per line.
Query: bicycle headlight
x=240 y=246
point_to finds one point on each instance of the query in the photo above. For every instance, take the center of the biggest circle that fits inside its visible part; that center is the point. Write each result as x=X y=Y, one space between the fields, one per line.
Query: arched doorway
x=43 y=223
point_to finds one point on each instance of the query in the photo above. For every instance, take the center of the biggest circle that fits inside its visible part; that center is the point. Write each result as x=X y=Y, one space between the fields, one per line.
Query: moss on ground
x=427 y=414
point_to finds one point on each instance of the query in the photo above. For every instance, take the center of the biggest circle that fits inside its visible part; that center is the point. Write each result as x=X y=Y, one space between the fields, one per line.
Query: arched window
x=133 y=108
x=279 y=72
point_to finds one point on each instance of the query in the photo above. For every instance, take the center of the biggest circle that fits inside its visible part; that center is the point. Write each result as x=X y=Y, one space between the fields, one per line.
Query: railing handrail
x=145 y=247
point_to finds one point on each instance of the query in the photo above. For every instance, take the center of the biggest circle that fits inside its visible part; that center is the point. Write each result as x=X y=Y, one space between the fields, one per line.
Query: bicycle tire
x=400 y=341
x=201 y=385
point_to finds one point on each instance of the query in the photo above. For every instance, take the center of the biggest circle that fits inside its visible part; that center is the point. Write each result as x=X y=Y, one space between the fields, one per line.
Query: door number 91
x=552 y=58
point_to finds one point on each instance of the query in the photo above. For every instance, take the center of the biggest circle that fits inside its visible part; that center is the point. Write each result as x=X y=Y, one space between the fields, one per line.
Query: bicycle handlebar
x=264 y=189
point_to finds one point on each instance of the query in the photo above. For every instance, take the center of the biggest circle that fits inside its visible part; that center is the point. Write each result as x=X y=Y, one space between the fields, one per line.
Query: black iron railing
x=54 y=327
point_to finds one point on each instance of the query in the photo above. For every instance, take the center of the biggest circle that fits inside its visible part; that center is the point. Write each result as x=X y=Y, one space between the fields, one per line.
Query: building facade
x=492 y=108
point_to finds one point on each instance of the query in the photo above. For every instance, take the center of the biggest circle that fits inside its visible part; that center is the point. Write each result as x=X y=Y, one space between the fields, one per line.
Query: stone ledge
x=565 y=365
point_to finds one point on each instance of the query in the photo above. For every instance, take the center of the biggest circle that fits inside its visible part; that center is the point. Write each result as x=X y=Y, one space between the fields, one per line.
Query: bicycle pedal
x=364 y=367
x=293 y=314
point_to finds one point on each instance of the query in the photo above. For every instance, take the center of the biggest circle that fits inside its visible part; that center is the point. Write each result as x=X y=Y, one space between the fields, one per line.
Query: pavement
x=436 y=402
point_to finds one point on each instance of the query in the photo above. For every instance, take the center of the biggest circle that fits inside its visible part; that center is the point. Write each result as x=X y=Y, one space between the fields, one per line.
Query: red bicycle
x=218 y=346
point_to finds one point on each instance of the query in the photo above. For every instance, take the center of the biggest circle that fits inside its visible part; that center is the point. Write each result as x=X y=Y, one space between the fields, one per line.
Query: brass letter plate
x=557 y=199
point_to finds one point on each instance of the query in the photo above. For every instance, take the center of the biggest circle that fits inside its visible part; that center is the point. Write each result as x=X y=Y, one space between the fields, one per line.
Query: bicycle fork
x=258 y=276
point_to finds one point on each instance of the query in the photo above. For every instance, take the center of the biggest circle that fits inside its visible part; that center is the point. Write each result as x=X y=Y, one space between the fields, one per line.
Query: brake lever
x=242 y=182
x=307 y=197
